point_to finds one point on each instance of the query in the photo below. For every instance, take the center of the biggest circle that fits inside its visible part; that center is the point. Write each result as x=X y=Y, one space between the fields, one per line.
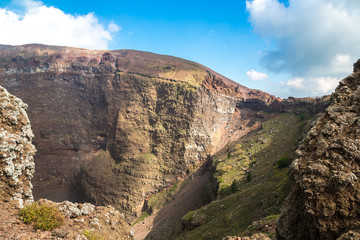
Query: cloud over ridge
x=38 y=23
x=315 y=40
x=254 y=75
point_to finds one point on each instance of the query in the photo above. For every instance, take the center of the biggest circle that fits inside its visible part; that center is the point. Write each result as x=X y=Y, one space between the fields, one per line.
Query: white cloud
x=49 y=25
x=113 y=27
x=312 y=86
x=297 y=83
x=254 y=75
x=315 y=40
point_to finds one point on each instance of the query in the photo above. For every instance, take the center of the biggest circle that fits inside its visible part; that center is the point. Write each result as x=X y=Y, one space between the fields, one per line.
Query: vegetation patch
x=95 y=235
x=158 y=200
x=44 y=217
x=284 y=162
x=253 y=188
x=142 y=217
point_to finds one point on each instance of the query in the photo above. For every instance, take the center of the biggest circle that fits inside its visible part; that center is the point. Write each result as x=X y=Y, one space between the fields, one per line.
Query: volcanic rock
x=324 y=202
x=16 y=150
x=16 y=171
x=113 y=127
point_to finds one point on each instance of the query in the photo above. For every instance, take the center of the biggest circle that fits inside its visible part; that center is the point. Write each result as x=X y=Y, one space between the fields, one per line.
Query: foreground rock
x=16 y=150
x=325 y=202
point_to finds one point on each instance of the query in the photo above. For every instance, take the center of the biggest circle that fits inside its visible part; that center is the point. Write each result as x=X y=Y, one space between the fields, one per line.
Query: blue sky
x=284 y=48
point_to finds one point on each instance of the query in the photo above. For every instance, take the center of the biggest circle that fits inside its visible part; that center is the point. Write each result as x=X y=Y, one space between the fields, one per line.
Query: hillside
x=113 y=127
x=180 y=150
x=251 y=176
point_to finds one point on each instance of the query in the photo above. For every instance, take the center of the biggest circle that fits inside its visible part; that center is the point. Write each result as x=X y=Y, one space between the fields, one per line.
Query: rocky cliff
x=16 y=150
x=118 y=126
x=324 y=201
x=16 y=171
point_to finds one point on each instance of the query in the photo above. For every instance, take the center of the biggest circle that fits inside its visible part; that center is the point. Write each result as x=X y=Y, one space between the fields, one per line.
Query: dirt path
x=165 y=223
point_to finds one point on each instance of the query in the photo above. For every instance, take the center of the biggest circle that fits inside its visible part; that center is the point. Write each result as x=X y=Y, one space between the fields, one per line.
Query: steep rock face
x=324 y=201
x=16 y=150
x=16 y=171
x=126 y=123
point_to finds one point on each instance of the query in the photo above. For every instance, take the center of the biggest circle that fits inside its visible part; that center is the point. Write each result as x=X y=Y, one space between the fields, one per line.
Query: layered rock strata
x=126 y=123
x=324 y=202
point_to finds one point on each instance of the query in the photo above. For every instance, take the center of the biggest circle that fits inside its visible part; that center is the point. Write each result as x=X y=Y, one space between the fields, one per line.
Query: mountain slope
x=250 y=184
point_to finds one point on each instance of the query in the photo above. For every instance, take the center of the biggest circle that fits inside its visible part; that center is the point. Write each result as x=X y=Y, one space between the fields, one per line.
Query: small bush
x=283 y=162
x=302 y=116
x=249 y=176
x=225 y=191
x=94 y=235
x=44 y=217
x=234 y=186
x=143 y=216
x=253 y=162
x=220 y=180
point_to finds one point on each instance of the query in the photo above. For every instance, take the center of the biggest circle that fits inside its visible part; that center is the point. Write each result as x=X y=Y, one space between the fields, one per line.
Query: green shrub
x=44 y=217
x=302 y=116
x=284 y=162
x=253 y=162
x=92 y=235
x=225 y=191
x=143 y=216
x=249 y=176
x=234 y=186
x=220 y=180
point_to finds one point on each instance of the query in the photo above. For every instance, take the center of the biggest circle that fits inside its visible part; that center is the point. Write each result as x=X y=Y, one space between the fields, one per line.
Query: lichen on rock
x=16 y=150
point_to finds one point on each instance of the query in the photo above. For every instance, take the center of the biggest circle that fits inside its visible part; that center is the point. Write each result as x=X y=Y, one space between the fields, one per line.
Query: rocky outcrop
x=324 y=201
x=16 y=150
x=121 y=125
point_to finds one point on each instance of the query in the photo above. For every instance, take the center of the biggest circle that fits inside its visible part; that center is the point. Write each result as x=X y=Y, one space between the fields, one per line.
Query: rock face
x=16 y=150
x=120 y=125
x=325 y=202
x=16 y=171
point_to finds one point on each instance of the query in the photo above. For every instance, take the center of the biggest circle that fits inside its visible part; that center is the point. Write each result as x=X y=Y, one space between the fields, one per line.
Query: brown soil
x=165 y=223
